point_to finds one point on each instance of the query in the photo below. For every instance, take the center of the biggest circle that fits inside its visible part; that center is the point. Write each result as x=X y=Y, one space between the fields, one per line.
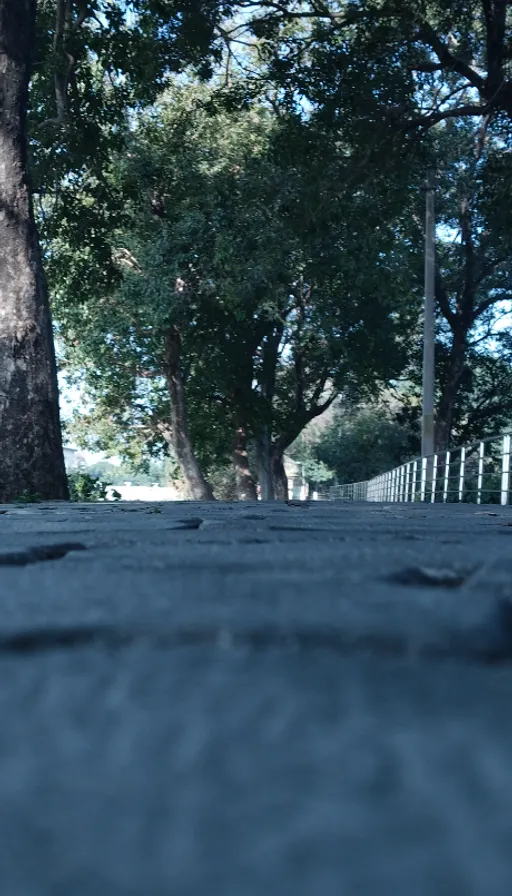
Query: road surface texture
x=255 y=700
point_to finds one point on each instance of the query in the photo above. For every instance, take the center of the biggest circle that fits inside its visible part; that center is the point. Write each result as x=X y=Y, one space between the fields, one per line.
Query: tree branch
x=466 y=304
x=488 y=303
x=65 y=61
x=325 y=405
x=488 y=269
x=448 y=60
x=495 y=12
x=464 y=111
x=442 y=299
x=319 y=388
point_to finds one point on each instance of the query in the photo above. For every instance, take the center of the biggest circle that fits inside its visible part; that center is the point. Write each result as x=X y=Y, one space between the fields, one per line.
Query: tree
x=381 y=71
x=483 y=406
x=431 y=75
x=253 y=260
x=97 y=64
x=304 y=450
x=31 y=455
x=473 y=270
x=363 y=442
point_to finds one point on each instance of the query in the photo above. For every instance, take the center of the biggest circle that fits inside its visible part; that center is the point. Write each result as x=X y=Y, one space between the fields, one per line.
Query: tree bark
x=460 y=321
x=448 y=399
x=31 y=455
x=199 y=489
x=265 y=478
x=267 y=384
x=245 y=486
x=279 y=477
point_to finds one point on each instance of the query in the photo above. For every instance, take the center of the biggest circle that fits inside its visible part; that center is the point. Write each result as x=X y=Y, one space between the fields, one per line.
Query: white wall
x=146 y=493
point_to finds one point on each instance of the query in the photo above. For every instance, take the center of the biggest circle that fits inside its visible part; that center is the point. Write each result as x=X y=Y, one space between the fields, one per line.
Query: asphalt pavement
x=255 y=700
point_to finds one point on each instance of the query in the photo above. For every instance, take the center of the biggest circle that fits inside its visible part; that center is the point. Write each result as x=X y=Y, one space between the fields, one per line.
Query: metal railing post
x=505 y=469
x=481 y=451
x=446 y=476
x=423 y=478
x=462 y=473
x=434 y=479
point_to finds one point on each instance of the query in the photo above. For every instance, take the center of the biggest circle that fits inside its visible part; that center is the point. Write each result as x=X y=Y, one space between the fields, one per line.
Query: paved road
x=255 y=700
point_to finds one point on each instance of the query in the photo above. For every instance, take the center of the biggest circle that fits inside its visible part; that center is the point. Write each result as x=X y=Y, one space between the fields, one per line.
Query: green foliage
x=83 y=486
x=391 y=68
x=235 y=235
x=108 y=59
x=483 y=406
x=105 y=471
x=304 y=452
x=150 y=474
x=273 y=216
x=360 y=444
x=223 y=482
x=28 y=497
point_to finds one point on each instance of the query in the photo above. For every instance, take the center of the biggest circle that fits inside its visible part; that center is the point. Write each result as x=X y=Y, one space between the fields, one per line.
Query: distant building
x=73 y=459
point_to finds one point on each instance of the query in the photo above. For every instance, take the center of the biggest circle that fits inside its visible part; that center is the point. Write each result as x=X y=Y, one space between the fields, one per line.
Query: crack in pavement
x=432 y=576
x=489 y=644
x=40 y=554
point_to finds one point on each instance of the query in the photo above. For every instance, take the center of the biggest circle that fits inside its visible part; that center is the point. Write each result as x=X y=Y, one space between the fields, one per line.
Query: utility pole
x=427 y=420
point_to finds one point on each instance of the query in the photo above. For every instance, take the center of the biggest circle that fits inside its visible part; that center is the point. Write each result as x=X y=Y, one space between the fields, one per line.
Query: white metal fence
x=478 y=473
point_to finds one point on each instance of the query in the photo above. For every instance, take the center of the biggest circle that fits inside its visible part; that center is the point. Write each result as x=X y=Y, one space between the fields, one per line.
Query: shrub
x=223 y=482
x=85 y=487
x=28 y=497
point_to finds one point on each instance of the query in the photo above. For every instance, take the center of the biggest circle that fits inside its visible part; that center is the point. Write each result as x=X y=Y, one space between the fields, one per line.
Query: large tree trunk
x=279 y=476
x=245 y=487
x=267 y=383
x=31 y=455
x=447 y=402
x=199 y=489
x=265 y=477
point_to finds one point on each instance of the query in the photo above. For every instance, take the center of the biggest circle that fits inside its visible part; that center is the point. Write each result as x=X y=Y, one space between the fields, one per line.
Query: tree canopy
x=232 y=237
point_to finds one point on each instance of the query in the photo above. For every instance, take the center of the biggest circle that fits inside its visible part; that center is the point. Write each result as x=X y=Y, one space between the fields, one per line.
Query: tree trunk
x=264 y=468
x=245 y=487
x=31 y=455
x=279 y=477
x=447 y=402
x=199 y=489
x=267 y=384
